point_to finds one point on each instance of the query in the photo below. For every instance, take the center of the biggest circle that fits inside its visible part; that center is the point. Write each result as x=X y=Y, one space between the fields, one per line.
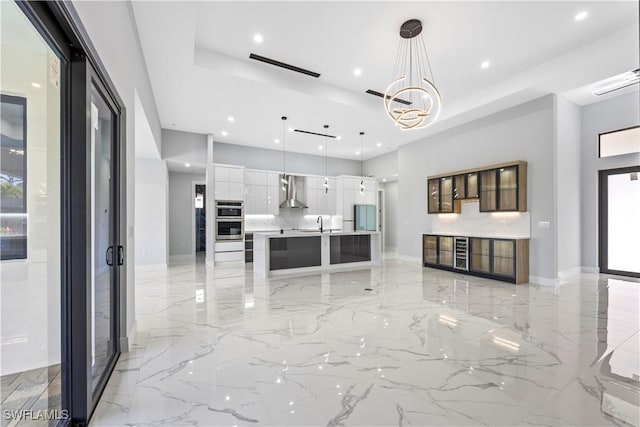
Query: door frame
x=193 y=215
x=381 y=217
x=603 y=220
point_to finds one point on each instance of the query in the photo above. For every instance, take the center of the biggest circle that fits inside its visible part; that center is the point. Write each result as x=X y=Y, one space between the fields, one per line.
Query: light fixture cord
x=284 y=148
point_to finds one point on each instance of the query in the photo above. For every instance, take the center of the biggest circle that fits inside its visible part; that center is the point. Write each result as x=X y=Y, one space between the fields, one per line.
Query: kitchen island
x=294 y=252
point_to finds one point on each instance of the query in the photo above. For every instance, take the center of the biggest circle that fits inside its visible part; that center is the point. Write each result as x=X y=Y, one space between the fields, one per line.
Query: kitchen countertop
x=300 y=233
x=495 y=236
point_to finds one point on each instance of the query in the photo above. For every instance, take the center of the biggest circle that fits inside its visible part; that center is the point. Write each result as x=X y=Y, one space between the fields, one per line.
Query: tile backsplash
x=472 y=222
x=290 y=219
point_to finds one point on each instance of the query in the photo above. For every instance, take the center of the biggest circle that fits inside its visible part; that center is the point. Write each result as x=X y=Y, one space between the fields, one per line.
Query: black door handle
x=109 y=256
x=120 y=255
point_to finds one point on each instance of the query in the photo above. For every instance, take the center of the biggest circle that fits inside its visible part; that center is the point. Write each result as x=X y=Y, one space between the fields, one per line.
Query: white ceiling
x=197 y=58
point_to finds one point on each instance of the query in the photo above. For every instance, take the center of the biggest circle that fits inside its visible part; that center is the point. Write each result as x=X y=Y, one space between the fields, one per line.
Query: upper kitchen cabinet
x=229 y=183
x=440 y=195
x=459 y=187
x=261 y=193
x=488 y=191
x=499 y=188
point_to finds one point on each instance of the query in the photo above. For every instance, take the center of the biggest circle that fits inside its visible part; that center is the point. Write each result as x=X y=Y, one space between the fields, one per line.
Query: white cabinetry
x=319 y=201
x=261 y=193
x=229 y=183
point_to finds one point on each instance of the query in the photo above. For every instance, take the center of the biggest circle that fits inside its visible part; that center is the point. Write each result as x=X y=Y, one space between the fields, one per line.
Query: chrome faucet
x=319 y=220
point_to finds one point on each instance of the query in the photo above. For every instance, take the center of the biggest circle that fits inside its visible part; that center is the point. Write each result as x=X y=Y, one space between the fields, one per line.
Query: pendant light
x=326 y=161
x=412 y=100
x=284 y=156
x=361 y=165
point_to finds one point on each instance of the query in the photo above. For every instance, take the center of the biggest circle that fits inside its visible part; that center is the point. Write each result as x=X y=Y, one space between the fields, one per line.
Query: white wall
x=617 y=113
x=568 y=196
x=525 y=132
x=192 y=148
x=391 y=208
x=121 y=54
x=151 y=212
x=184 y=147
x=382 y=166
x=260 y=158
x=181 y=240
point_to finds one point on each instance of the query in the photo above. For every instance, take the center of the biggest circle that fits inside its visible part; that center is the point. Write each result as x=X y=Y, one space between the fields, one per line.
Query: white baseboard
x=188 y=257
x=147 y=267
x=569 y=272
x=591 y=270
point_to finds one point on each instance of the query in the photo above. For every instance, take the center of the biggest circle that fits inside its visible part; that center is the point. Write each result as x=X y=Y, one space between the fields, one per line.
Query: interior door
x=619 y=225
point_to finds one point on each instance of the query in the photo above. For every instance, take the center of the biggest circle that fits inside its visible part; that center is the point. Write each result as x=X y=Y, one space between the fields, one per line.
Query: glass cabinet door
x=503 y=257
x=433 y=195
x=430 y=249
x=508 y=189
x=480 y=255
x=446 y=194
x=488 y=191
x=472 y=185
x=446 y=250
x=459 y=187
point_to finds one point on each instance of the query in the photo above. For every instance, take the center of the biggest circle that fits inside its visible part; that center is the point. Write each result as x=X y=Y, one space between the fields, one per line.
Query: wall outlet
x=544 y=224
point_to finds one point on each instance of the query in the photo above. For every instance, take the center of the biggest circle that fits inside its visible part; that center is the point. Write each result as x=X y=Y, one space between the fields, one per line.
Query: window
x=624 y=141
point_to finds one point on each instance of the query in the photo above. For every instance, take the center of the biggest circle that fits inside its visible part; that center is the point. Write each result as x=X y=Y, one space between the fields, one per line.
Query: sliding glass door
x=62 y=218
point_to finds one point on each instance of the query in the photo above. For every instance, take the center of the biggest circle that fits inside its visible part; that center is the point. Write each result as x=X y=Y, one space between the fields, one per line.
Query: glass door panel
x=433 y=195
x=430 y=249
x=623 y=211
x=488 y=191
x=445 y=250
x=503 y=257
x=31 y=365
x=104 y=254
x=446 y=194
x=508 y=186
x=480 y=257
x=459 y=187
x=472 y=185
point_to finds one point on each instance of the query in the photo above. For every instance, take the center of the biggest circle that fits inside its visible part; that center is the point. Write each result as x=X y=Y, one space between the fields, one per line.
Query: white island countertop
x=320 y=251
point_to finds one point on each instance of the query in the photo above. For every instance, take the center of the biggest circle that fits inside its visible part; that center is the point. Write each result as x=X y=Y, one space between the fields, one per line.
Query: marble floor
x=216 y=347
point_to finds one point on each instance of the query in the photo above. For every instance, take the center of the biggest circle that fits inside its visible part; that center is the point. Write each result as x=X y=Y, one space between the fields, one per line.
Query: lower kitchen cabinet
x=500 y=259
x=429 y=249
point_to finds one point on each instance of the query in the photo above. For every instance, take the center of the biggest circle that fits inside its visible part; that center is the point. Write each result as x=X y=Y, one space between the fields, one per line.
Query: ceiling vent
x=283 y=65
x=617 y=82
x=314 y=133
x=381 y=95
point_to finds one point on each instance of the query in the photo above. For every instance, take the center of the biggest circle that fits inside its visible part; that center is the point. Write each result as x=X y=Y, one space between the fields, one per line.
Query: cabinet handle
x=120 y=255
x=109 y=256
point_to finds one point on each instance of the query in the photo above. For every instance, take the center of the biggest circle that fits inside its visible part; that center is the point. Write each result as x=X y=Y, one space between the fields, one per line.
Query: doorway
x=619 y=225
x=200 y=212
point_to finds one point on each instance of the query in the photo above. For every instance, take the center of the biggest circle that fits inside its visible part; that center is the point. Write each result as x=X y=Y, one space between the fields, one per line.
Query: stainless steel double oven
x=229 y=220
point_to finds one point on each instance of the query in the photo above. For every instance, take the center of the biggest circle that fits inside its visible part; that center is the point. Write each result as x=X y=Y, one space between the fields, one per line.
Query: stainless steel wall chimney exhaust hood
x=292 y=194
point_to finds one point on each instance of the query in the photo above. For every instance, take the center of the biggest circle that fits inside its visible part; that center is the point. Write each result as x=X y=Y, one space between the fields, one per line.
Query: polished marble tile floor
x=424 y=347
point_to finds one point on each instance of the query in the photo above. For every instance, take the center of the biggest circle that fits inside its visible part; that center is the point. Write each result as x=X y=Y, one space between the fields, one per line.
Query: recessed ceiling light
x=231 y=119
x=357 y=72
x=224 y=133
x=36 y=85
x=485 y=64
x=379 y=144
x=357 y=153
x=290 y=129
x=319 y=147
x=277 y=141
x=580 y=16
x=384 y=179
x=187 y=165
x=338 y=137
x=258 y=38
